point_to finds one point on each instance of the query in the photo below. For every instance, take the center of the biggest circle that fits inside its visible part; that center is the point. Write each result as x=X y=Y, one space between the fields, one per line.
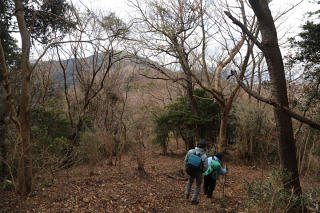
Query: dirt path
x=110 y=189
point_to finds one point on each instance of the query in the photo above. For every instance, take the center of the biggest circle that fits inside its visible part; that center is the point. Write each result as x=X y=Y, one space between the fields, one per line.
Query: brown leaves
x=111 y=189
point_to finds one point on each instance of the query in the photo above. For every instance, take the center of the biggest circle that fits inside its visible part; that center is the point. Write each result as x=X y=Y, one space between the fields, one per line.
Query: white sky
x=121 y=8
x=293 y=20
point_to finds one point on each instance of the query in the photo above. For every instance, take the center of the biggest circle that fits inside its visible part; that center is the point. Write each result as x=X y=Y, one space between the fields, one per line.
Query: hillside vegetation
x=97 y=113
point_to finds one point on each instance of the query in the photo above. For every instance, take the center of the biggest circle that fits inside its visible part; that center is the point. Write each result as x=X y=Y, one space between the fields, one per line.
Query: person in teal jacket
x=212 y=174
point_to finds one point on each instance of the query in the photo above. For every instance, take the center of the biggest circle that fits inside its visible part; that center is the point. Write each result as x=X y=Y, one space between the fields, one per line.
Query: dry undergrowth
x=122 y=189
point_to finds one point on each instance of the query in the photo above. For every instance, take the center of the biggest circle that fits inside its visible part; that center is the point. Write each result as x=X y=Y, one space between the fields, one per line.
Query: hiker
x=212 y=174
x=196 y=163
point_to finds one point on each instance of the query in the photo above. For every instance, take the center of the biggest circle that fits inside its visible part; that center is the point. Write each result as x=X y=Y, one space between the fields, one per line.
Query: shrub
x=308 y=151
x=90 y=150
x=179 y=118
x=49 y=131
x=270 y=196
x=255 y=133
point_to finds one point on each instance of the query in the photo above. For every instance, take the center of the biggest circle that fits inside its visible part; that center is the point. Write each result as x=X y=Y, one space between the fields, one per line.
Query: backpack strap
x=193 y=152
x=199 y=153
x=200 y=156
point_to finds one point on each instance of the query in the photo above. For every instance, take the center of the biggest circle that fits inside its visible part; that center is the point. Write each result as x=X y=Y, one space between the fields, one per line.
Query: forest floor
x=124 y=189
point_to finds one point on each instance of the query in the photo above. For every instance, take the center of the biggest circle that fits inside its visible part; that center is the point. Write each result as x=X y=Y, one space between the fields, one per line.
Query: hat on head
x=201 y=143
x=218 y=155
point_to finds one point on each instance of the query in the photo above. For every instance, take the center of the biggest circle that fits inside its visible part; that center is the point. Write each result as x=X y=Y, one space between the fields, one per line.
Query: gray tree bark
x=271 y=50
x=24 y=171
x=270 y=47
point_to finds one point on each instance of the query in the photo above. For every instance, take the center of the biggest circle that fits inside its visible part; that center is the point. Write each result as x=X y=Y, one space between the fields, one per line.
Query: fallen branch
x=176 y=178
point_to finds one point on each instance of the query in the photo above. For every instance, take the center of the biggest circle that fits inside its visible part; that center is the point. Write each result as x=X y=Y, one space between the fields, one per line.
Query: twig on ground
x=175 y=178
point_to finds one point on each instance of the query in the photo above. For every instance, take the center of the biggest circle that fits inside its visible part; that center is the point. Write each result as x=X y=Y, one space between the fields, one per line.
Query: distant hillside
x=158 y=91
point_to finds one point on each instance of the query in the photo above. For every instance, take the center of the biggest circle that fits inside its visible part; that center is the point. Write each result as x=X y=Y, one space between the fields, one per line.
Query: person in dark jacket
x=199 y=151
x=212 y=174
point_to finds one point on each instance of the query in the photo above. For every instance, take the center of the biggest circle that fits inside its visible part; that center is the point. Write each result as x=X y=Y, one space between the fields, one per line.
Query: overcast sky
x=293 y=20
x=121 y=8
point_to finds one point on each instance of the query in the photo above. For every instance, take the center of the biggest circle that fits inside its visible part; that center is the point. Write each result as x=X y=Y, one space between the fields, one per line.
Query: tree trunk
x=75 y=137
x=226 y=107
x=25 y=161
x=271 y=50
x=188 y=141
x=222 y=143
x=191 y=98
x=193 y=103
x=3 y=149
x=24 y=172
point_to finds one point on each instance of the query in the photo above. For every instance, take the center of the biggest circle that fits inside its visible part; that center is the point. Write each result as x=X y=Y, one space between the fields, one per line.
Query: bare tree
x=180 y=33
x=23 y=120
x=86 y=66
x=270 y=47
x=24 y=171
x=42 y=83
x=168 y=30
x=213 y=83
x=109 y=112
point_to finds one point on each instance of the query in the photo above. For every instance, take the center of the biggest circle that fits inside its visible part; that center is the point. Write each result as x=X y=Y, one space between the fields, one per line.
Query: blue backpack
x=194 y=165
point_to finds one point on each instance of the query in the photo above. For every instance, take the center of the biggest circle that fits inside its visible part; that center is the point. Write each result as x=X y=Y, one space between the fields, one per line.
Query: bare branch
x=66 y=87
x=52 y=45
x=244 y=29
x=275 y=104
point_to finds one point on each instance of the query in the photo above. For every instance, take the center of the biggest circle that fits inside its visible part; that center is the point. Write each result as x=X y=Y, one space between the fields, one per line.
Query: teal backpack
x=194 y=165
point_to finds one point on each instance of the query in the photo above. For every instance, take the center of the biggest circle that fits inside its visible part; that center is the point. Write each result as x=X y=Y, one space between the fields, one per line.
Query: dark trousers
x=209 y=185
